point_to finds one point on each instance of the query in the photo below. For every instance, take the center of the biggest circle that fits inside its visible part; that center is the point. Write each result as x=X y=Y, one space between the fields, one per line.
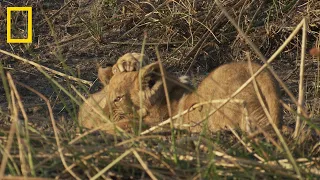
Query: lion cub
x=90 y=113
x=219 y=84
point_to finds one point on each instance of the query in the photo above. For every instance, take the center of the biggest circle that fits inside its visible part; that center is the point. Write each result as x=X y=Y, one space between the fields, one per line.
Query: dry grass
x=39 y=131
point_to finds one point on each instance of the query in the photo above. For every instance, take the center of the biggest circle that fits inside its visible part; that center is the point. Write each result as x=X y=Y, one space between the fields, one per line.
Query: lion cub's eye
x=118 y=99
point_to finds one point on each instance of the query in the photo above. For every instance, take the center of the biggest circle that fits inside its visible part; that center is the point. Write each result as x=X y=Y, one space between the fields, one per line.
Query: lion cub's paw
x=104 y=75
x=128 y=62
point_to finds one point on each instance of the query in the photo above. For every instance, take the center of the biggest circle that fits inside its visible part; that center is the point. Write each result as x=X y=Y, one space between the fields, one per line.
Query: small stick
x=143 y=164
x=56 y=13
x=299 y=125
x=262 y=57
x=6 y=153
x=55 y=130
x=38 y=66
x=266 y=64
x=187 y=111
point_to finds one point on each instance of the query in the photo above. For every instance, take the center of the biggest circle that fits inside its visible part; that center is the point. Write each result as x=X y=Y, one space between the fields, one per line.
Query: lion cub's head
x=129 y=90
x=94 y=111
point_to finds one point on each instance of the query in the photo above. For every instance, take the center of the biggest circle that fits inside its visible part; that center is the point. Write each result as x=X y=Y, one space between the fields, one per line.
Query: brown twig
x=38 y=66
x=14 y=120
x=266 y=64
x=55 y=130
x=192 y=108
x=20 y=144
x=299 y=125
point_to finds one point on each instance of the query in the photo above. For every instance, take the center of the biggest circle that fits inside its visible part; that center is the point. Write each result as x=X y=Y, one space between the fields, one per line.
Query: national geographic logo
x=29 y=25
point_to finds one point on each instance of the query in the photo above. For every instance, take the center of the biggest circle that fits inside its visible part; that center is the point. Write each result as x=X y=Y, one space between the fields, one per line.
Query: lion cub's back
x=225 y=80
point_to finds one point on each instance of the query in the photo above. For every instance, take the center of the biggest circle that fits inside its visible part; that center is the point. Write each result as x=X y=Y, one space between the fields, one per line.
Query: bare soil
x=193 y=38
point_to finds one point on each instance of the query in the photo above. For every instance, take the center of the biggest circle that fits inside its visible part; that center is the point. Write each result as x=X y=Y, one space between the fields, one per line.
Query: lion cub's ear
x=105 y=74
x=151 y=83
x=150 y=68
x=150 y=74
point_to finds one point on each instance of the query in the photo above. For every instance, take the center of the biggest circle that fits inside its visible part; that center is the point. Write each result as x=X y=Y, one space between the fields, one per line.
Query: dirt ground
x=86 y=33
x=193 y=37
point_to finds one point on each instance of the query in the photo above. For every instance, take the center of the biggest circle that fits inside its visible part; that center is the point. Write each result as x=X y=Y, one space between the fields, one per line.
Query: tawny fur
x=88 y=116
x=125 y=100
x=92 y=114
x=219 y=84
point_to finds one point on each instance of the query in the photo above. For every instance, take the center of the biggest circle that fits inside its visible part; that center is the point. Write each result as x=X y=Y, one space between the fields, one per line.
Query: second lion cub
x=219 y=84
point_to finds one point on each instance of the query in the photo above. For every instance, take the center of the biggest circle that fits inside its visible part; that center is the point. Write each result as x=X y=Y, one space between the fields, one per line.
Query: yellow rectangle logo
x=29 y=29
